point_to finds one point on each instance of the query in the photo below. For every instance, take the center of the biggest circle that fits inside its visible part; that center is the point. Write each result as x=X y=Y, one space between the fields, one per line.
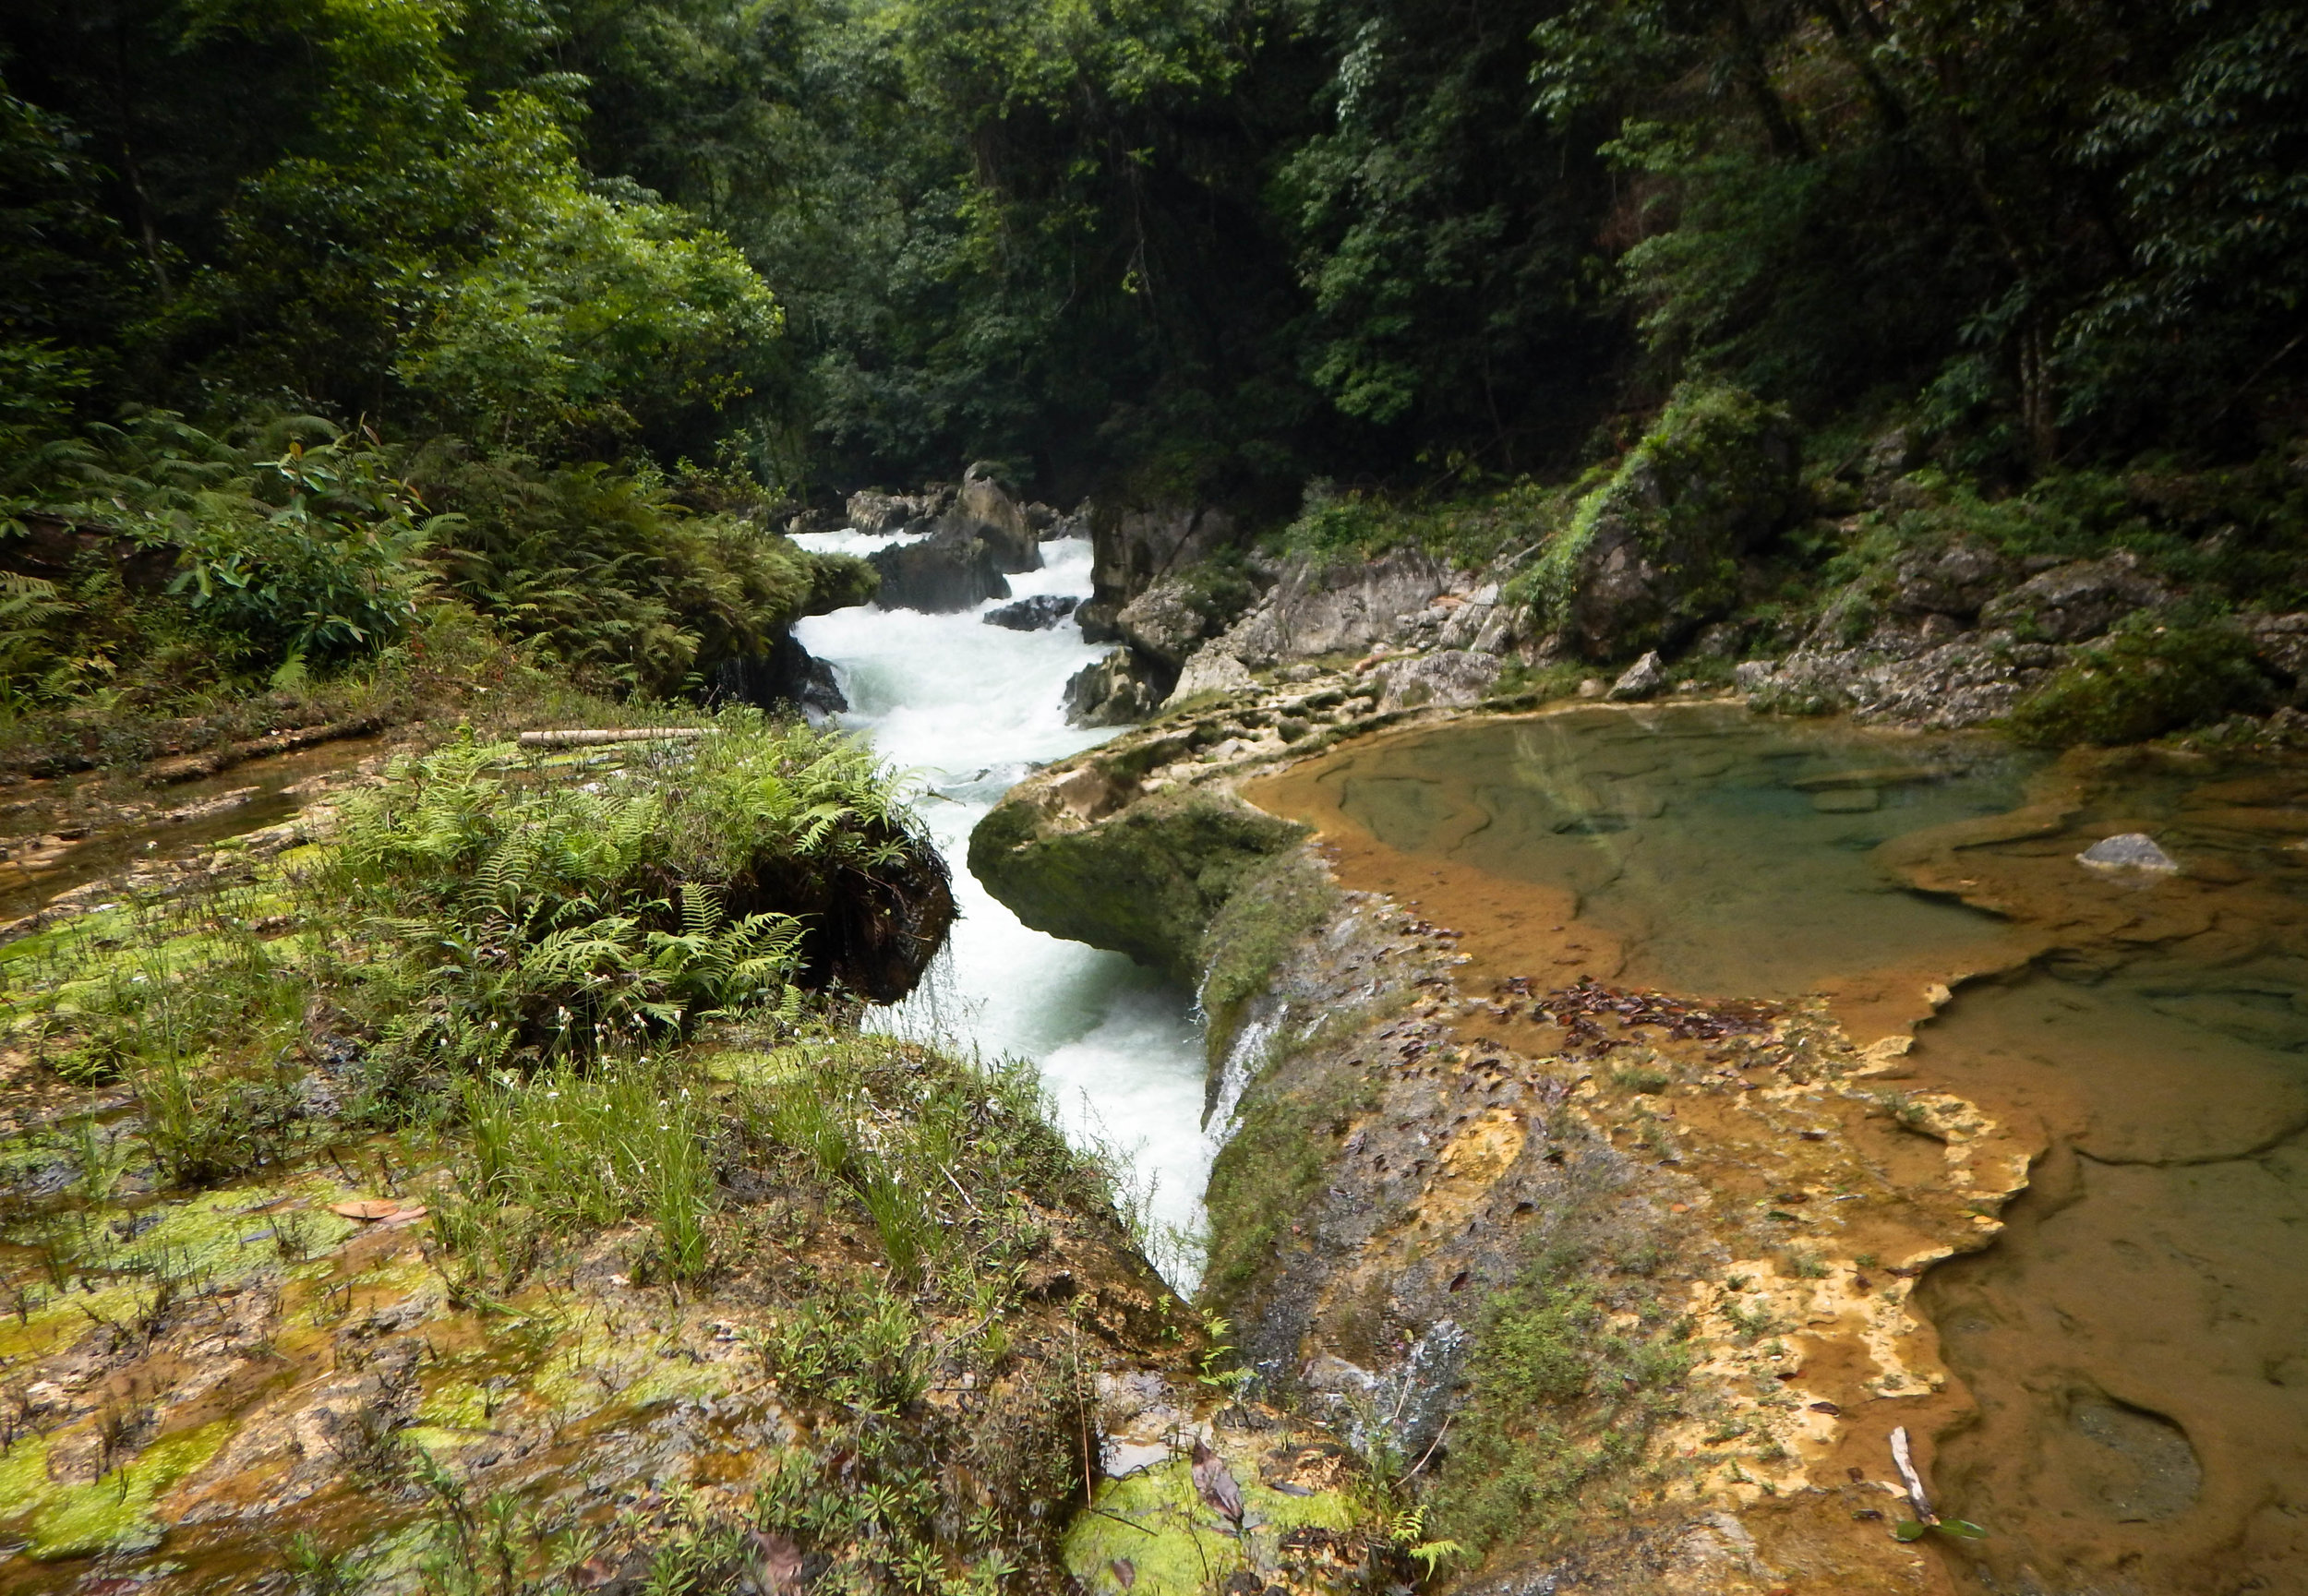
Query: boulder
x=1647 y=677
x=1115 y=691
x=879 y=514
x=982 y=510
x=2075 y=601
x=1653 y=555
x=788 y=677
x=2278 y=641
x=1038 y=613
x=945 y=571
x=1956 y=580
x=1211 y=669
x=1454 y=679
x=1164 y=622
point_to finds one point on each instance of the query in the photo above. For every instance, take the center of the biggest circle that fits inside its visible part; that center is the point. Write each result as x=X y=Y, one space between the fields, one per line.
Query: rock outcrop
x=1116 y=690
x=1452 y=678
x=788 y=675
x=2075 y=602
x=950 y=570
x=980 y=510
x=1654 y=553
x=1134 y=547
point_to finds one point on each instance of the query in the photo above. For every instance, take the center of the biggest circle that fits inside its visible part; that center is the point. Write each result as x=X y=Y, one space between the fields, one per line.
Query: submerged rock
x=2128 y=851
x=1038 y=613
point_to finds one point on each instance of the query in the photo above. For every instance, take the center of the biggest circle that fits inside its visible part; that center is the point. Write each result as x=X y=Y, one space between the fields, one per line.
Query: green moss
x=1145 y=883
x=1714 y=476
x=1278 y=1160
x=2143 y=680
x=1177 y=1546
x=110 y=1514
x=1574 y=1364
x=1277 y=905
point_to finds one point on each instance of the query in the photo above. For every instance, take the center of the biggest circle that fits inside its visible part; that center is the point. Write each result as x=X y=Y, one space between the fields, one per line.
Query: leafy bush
x=2147 y=677
x=612 y=576
x=520 y=922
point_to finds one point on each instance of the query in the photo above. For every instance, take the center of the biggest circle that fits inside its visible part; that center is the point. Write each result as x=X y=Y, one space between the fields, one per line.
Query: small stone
x=1645 y=678
x=2128 y=851
x=1590 y=688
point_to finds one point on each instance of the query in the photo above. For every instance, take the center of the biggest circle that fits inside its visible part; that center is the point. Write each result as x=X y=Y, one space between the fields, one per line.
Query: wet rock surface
x=1037 y=614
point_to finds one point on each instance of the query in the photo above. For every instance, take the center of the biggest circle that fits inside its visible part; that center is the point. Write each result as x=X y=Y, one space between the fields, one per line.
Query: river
x=968 y=708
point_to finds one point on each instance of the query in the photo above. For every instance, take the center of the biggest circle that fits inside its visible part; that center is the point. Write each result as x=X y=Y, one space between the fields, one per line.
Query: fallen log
x=622 y=734
x=216 y=761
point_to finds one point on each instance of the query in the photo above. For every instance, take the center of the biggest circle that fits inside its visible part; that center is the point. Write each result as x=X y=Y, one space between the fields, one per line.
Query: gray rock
x=879 y=514
x=1316 y=608
x=1132 y=547
x=1164 y=623
x=1038 y=613
x=982 y=510
x=1647 y=677
x=2075 y=601
x=1455 y=678
x=1116 y=690
x=1954 y=581
x=2280 y=641
x=946 y=571
x=2128 y=851
x=788 y=677
x=1211 y=669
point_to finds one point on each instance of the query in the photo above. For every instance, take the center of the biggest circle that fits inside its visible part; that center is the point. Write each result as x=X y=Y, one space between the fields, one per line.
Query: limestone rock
x=1652 y=553
x=982 y=510
x=1164 y=623
x=1211 y=669
x=2280 y=642
x=1134 y=547
x=1956 y=580
x=2128 y=851
x=879 y=514
x=1116 y=690
x=1455 y=678
x=2079 y=600
x=1038 y=613
x=1316 y=610
x=1967 y=681
x=1647 y=677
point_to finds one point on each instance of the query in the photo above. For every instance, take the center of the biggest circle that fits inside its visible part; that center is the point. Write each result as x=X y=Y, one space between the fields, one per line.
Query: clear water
x=2134 y=1345
x=969 y=709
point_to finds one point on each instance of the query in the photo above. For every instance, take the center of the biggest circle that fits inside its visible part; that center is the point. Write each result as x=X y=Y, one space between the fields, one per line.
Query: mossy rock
x=1145 y=882
x=1175 y=1544
x=2143 y=680
x=1654 y=553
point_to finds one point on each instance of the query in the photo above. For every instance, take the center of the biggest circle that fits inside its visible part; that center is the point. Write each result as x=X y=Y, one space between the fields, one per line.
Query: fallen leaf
x=1215 y=1485
x=368 y=1210
x=1125 y=1572
x=408 y=1216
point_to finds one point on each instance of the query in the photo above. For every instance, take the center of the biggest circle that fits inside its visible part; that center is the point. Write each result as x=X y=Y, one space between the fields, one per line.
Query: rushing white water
x=969 y=708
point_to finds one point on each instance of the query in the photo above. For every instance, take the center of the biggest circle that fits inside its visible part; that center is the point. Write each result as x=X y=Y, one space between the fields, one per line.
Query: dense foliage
x=1238 y=240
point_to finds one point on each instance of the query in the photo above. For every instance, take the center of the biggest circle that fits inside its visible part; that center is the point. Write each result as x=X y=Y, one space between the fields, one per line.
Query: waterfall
x=968 y=708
